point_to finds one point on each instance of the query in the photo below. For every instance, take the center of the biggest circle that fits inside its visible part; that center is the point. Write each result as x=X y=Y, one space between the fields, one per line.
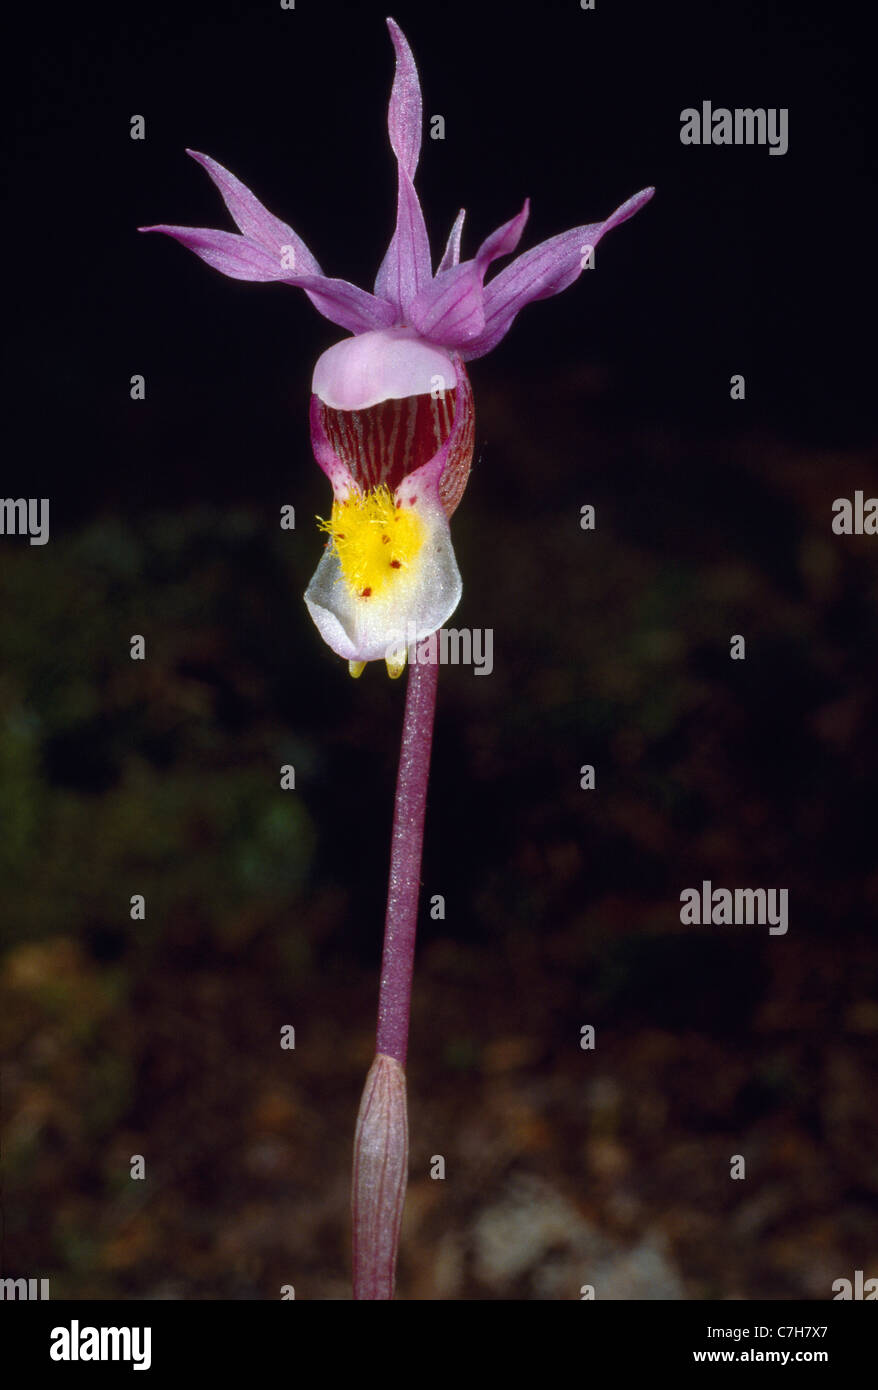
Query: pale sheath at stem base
x=381 y=1160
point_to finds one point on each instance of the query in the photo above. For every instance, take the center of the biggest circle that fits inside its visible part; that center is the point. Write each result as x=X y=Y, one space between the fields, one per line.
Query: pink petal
x=545 y=270
x=255 y=221
x=234 y=255
x=504 y=241
x=450 y=310
x=451 y=254
x=344 y=303
x=243 y=259
x=406 y=265
x=404 y=112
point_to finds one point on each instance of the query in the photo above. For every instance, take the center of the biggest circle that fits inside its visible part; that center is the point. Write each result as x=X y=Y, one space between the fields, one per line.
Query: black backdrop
x=744 y=261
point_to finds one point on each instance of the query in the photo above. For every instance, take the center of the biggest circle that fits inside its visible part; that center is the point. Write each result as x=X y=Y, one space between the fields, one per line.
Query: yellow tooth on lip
x=356 y=668
x=395 y=665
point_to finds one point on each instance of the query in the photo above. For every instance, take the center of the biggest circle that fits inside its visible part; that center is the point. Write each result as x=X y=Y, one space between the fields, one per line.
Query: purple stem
x=381 y=1145
x=395 y=992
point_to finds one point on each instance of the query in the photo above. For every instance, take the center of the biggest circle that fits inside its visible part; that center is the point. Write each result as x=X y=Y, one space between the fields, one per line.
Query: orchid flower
x=392 y=422
x=392 y=427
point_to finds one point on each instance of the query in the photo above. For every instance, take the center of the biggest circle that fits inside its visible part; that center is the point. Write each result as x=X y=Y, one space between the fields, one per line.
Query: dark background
x=562 y=907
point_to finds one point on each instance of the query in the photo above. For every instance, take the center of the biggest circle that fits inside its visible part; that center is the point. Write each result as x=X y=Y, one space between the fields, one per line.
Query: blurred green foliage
x=264 y=907
x=117 y=776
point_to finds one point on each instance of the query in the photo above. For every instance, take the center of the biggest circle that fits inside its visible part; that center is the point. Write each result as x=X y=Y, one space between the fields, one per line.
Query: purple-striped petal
x=406 y=265
x=404 y=113
x=450 y=310
x=503 y=241
x=343 y=303
x=255 y=221
x=227 y=252
x=243 y=259
x=541 y=272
